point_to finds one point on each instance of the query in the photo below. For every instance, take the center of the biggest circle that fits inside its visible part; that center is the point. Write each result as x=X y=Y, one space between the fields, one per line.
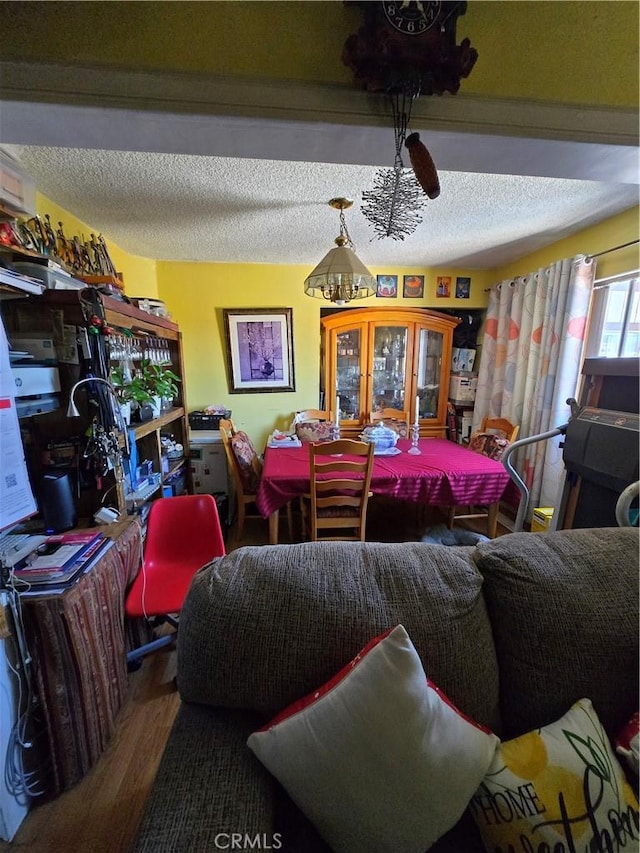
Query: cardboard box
x=462 y=387
x=466 y=422
x=541 y=520
x=462 y=360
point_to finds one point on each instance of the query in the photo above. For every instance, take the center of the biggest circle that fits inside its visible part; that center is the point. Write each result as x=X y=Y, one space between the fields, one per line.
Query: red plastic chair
x=183 y=535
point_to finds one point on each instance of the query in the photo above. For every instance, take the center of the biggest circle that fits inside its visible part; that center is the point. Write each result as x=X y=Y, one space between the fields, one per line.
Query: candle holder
x=335 y=428
x=415 y=438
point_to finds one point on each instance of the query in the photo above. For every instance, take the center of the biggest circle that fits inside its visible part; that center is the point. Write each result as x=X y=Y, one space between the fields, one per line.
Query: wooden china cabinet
x=374 y=358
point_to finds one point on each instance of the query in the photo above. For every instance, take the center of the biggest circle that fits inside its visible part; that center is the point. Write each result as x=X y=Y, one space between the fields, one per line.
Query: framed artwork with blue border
x=387 y=286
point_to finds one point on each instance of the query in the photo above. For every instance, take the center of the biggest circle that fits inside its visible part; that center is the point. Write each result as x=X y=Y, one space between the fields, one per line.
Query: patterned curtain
x=531 y=360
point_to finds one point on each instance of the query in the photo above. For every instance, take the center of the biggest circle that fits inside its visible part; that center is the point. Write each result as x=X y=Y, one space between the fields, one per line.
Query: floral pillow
x=628 y=744
x=247 y=460
x=308 y=431
x=488 y=444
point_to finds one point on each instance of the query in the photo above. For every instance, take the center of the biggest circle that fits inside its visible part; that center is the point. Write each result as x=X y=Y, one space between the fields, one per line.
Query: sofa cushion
x=264 y=625
x=557 y=788
x=564 y=610
x=208 y=785
x=377 y=757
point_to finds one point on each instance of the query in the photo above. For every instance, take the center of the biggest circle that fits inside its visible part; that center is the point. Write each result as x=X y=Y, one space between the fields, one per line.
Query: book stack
x=59 y=562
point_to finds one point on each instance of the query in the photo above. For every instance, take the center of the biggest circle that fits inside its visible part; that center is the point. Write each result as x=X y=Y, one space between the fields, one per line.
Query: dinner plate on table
x=387 y=451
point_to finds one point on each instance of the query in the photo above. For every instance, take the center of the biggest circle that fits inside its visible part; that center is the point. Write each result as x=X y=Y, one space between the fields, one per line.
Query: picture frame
x=463 y=287
x=443 y=287
x=413 y=286
x=259 y=343
x=387 y=286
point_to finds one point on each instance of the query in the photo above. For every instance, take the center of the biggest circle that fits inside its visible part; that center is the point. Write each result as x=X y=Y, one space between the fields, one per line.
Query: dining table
x=443 y=474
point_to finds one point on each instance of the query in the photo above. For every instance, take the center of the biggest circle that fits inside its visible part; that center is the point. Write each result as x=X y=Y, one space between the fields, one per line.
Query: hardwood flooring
x=101 y=814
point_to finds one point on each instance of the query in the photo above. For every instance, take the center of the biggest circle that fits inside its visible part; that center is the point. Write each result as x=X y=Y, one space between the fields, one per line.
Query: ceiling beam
x=88 y=107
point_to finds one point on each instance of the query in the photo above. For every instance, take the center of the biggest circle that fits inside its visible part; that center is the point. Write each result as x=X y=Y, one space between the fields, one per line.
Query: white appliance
x=208 y=462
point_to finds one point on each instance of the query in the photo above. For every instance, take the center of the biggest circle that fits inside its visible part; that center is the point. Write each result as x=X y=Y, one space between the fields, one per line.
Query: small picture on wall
x=387 y=286
x=413 y=286
x=463 y=287
x=443 y=286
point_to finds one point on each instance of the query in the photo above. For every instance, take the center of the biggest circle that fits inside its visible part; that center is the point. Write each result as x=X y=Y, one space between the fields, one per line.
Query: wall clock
x=412 y=18
x=409 y=45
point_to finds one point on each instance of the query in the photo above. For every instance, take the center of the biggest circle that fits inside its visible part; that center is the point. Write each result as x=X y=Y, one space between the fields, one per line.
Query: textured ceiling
x=196 y=208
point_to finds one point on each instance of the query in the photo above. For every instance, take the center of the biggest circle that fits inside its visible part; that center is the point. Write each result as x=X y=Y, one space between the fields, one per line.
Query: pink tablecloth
x=444 y=474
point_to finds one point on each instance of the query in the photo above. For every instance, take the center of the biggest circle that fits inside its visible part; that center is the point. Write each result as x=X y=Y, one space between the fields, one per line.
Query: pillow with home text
x=558 y=788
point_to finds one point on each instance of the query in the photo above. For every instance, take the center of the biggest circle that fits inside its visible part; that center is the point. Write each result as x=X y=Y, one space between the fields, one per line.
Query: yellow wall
x=139 y=274
x=524 y=48
x=616 y=231
x=195 y=294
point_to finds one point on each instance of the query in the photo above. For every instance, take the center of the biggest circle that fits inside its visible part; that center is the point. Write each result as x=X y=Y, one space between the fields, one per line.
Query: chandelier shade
x=340 y=276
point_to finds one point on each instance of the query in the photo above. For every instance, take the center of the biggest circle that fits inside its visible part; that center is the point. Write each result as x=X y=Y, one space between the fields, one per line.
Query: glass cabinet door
x=428 y=373
x=348 y=354
x=388 y=368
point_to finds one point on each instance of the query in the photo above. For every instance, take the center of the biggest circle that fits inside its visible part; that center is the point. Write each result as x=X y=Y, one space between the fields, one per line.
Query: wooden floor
x=102 y=813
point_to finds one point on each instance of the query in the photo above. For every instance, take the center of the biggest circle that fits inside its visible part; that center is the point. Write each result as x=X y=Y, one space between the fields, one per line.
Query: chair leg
x=241 y=514
x=451 y=517
x=290 y=520
x=492 y=520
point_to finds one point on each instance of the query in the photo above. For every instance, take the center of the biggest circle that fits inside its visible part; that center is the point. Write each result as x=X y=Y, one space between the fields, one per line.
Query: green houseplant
x=159 y=380
x=132 y=392
x=129 y=390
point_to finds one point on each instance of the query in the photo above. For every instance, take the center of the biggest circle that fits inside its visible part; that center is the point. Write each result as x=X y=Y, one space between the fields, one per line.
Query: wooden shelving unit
x=48 y=315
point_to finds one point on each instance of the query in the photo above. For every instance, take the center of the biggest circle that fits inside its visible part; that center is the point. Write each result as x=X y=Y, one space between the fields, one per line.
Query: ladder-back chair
x=340 y=478
x=493 y=437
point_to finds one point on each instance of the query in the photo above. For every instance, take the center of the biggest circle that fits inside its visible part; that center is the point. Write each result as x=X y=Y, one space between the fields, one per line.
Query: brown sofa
x=514 y=631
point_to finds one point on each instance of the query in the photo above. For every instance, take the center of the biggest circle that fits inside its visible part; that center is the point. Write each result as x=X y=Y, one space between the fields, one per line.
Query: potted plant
x=129 y=391
x=160 y=382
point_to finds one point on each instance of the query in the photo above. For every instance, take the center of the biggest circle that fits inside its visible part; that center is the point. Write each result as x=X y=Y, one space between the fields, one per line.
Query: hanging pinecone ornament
x=423 y=166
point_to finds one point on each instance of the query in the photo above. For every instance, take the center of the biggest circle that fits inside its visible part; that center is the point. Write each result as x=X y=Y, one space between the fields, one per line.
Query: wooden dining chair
x=313 y=425
x=340 y=479
x=245 y=468
x=492 y=439
x=395 y=419
x=389 y=414
x=314 y=415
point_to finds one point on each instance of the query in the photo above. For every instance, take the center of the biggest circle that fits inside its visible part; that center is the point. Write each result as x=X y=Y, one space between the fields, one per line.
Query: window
x=614 y=330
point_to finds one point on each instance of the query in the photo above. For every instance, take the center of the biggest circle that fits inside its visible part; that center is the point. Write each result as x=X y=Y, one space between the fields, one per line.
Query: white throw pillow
x=378 y=758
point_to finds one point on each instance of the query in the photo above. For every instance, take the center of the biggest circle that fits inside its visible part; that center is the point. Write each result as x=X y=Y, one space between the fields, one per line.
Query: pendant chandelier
x=340 y=276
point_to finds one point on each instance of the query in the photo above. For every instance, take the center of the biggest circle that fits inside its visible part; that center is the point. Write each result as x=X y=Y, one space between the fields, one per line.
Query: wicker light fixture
x=340 y=276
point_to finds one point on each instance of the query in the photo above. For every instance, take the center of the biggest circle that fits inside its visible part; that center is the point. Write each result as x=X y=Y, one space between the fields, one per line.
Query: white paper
x=16 y=498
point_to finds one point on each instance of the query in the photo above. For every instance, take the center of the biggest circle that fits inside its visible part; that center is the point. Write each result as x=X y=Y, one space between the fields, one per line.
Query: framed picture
x=259 y=349
x=387 y=286
x=443 y=286
x=463 y=287
x=413 y=286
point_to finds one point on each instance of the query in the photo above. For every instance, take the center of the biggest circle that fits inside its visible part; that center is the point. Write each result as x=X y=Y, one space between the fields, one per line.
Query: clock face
x=412 y=17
